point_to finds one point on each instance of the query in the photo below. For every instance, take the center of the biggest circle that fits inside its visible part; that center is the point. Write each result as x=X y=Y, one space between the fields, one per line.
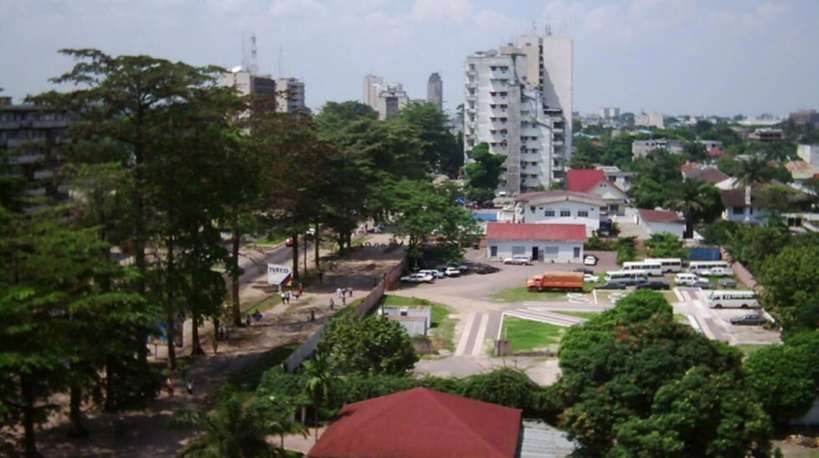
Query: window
x=583 y=213
x=739 y=210
x=549 y=213
x=532 y=208
x=565 y=213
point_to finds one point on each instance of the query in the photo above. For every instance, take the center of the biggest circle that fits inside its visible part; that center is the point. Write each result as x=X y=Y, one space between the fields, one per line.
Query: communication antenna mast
x=244 y=53
x=280 y=61
x=253 y=68
x=548 y=29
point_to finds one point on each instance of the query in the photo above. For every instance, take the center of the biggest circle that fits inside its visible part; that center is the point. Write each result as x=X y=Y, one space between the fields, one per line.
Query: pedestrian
x=300 y=289
x=169 y=387
x=284 y=298
x=343 y=301
x=312 y=315
x=189 y=385
x=287 y=297
x=339 y=293
x=332 y=303
x=350 y=290
x=215 y=343
x=248 y=320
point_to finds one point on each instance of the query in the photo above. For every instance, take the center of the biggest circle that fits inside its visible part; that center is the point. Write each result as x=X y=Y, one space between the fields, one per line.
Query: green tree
x=439 y=146
x=370 y=345
x=791 y=284
x=665 y=245
x=636 y=383
x=317 y=385
x=483 y=173
x=750 y=172
x=698 y=201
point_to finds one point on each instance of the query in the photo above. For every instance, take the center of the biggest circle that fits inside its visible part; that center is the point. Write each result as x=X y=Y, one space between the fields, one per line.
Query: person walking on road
x=169 y=387
x=332 y=303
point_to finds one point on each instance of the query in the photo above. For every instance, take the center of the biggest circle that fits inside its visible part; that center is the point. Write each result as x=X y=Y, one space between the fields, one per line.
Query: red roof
x=715 y=152
x=583 y=180
x=421 y=423
x=531 y=231
x=659 y=216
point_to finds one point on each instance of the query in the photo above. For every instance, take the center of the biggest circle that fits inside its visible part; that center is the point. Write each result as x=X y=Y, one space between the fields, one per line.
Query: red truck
x=566 y=281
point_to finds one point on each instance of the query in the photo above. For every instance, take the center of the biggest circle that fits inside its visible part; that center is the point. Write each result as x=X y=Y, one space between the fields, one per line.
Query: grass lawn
x=586 y=315
x=527 y=335
x=442 y=327
x=520 y=294
x=747 y=349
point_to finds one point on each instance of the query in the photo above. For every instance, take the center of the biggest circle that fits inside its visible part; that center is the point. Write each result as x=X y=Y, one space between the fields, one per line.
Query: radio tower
x=252 y=68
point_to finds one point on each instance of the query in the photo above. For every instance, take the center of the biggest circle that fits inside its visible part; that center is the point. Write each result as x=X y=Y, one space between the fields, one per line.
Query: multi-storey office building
x=290 y=95
x=435 y=91
x=519 y=101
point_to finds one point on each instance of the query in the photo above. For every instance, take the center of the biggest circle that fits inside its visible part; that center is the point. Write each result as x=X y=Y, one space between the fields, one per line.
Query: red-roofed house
x=560 y=207
x=656 y=221
x=595 y=182
x=542 y=242
x=421 y=423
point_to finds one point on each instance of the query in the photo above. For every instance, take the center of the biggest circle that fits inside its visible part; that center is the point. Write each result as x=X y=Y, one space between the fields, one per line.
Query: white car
x=418 y=278
x=687 y=279
x=434 y=272
x=590 y=277
x=590 y=260
x=718 y=272
x=452 y=272
x=519 y=260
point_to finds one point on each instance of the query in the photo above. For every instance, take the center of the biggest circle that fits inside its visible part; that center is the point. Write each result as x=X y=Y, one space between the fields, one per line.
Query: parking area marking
x=462 y=343
x=477 y=347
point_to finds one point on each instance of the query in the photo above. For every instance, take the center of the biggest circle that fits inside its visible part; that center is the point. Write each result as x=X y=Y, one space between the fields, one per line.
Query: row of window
x=566 y=213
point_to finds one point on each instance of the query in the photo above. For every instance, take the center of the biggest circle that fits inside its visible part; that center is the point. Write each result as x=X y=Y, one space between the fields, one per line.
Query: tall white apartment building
x=369 y=92
x=519 y=101
x=289 y=95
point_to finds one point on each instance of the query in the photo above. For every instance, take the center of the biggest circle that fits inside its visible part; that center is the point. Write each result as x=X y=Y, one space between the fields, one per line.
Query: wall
x=653 y=227
x=592 y=222
x=509 y=248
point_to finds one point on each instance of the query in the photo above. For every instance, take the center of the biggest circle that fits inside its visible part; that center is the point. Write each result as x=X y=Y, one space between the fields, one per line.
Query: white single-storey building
x=560 y=207
x=542 y=242
x=656 y=221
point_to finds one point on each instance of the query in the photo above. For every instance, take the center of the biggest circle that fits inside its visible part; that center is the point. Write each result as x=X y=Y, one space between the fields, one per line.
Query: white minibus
x=724 y=298
x=619 y=275
x=655 y=269
x=701 y=266
x=669 y=264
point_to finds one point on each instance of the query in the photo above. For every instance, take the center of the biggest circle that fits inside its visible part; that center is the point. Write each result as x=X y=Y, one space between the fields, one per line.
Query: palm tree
x=317 y=387
x=231 y=429
x=692 y=201
x=753 y=170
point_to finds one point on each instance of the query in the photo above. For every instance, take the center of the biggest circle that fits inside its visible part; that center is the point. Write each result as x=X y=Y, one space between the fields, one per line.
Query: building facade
x=560 y=207
x=290 y=95
x=809 y=154
x=435 y=91
x=369 y=93
x=519 y=101
x=609 y=112
x=542 y=242
x=651 y=119
x=385 y=98
x=640 y=148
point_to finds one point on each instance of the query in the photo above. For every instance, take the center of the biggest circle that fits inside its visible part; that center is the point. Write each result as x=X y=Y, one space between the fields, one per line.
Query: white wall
x=653 y=227
x=509 y=248
x=592 y=221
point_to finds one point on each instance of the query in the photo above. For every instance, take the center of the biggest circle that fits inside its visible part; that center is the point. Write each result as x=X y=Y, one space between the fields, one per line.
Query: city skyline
x=670 y=56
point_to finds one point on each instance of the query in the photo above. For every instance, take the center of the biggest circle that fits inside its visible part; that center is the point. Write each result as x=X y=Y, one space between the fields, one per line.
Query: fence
x=306 y=349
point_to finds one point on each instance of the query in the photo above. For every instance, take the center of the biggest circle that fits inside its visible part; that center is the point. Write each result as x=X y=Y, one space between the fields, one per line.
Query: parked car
x=418 y=278
x=685 y=278
x=434 y=272
x=653 y=284
x=727 y=283
x=288 y=241
x=749 y=319
x=703 y=284
x=585 y=270
x=590 y=260
x=519 y=260
x=718 y=272
x=632 y=281
x=452 y=272
x=484 y=269
x=590 y=278
x=611 y=285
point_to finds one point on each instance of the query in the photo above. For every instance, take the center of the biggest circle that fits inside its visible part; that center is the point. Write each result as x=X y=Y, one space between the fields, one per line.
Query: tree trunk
x=75 y=412
x=170 y=320
x=316 y=244
x=236 y=309
x=295 y=238
x=304 y=260
x=29 y=415
x=110 y=385
x=196 y=346
x=748 y=203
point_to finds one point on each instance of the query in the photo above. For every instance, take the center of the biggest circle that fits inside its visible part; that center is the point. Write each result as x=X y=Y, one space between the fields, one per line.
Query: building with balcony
x=518 y=100
x=31 y=134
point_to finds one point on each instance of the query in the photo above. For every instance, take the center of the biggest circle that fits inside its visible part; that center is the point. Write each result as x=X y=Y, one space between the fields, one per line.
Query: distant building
x=247 y=83
x=385 y=98
x=519 y=101
x=560 y=207
x=542 y=242
x=710 y=144
x=609 y=112
x=659 y=221
x=435 y=91
x=290 y=95
x=766 y=134
x=803 y=117
x=809 y=154
x=595 y=182
x=651 y=119
x=640 y=148
x=31 y=133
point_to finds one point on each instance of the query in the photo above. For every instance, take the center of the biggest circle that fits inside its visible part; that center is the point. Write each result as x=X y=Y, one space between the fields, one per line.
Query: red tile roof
x=659 y=216
x=583 y=180
x=715 y=152
x=531 y=231
x=421 y=423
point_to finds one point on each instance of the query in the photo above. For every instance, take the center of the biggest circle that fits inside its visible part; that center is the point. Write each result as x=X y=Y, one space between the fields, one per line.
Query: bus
x=655 y=269
x=697 y=267
x=669 y=264
x=626 y=275
x=732 y=298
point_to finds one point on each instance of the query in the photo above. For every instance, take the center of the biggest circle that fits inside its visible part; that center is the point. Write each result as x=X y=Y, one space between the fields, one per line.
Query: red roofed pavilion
x=421 y=423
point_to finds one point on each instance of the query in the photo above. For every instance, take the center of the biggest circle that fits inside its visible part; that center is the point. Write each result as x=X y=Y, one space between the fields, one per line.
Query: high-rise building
x=651 y=119
x=248 y=83
x=519 y=101
x=290 y=95
x=609 y=112
x=385 y=98
x=435 y=91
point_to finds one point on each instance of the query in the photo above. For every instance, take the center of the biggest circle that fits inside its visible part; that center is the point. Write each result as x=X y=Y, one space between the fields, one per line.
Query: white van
x=630 y=276
x=669 y=264
x=686 y=279
x=655 y=269
x=733 y=298
x=704 y=267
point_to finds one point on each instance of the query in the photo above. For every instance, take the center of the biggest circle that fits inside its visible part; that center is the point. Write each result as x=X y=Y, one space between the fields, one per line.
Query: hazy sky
x=674 y=56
